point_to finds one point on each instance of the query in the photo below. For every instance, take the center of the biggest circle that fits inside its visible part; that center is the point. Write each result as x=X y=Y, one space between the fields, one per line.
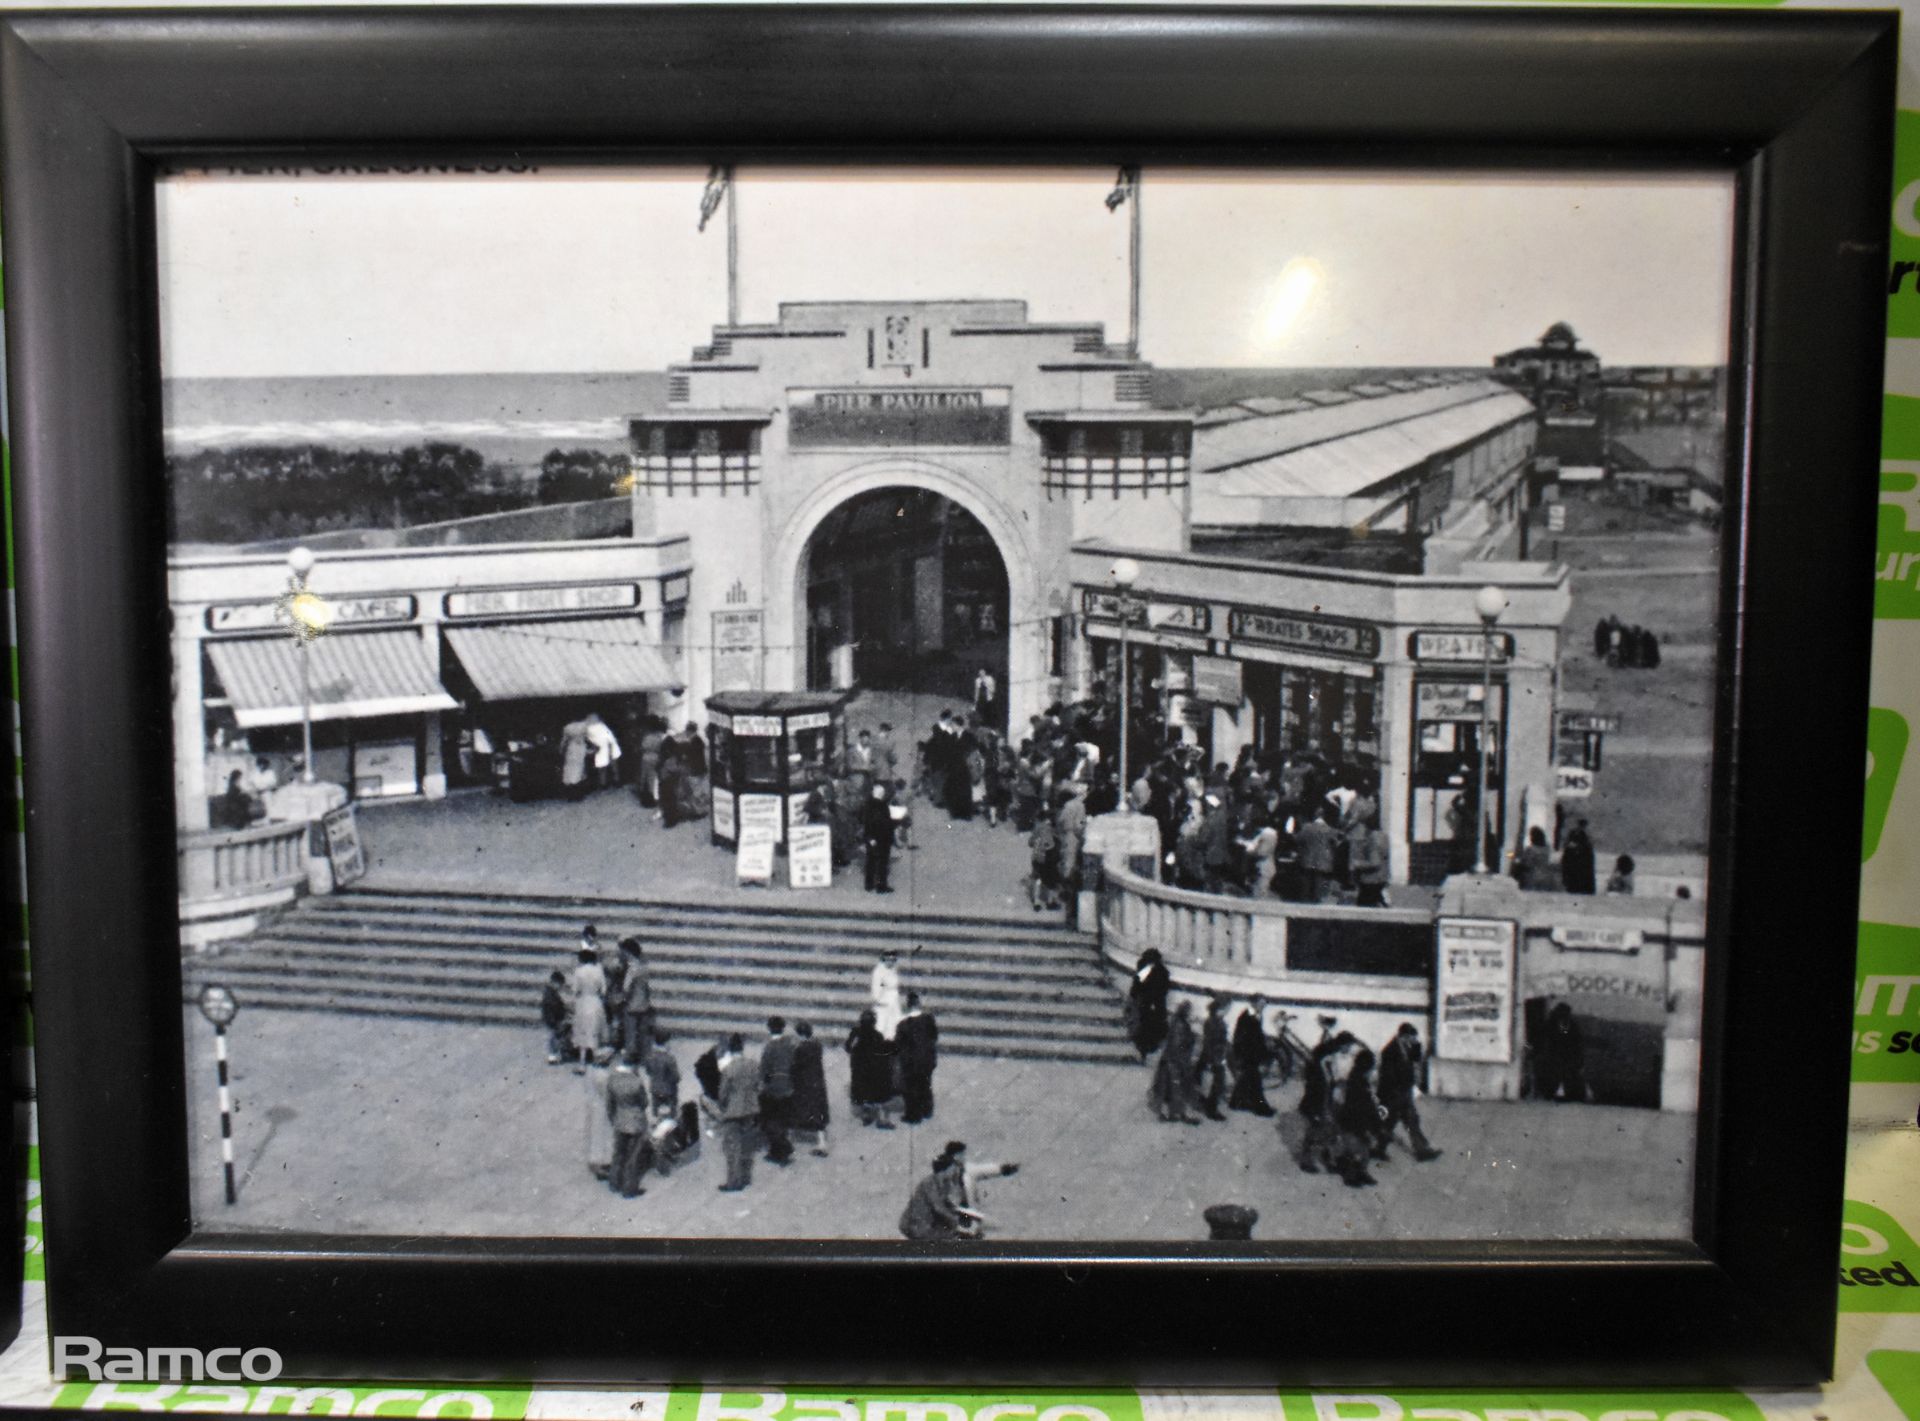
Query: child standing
x=1044 y=879
x=557 y=1016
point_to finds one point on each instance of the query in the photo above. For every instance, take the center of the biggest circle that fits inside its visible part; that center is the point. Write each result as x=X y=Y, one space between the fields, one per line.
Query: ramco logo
x=292 y=1400
x=82 y=1356
x=1363 y=1406
x=778 y=1406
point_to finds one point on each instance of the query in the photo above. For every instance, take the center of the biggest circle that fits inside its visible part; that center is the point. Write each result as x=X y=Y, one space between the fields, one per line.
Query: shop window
x=720 y=756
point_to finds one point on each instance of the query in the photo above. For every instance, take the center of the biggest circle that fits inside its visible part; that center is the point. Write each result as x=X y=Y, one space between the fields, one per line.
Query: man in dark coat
x=1361 y=1123
x=662 y=1071
x=776 y=1091
x=1576 y=860
x=915 y=1045
x=706 y=1069
x=1216 y=842
x=1316 y=839
x=735 y=1109
x=1172 y=1091
x=1316 y=1105
x=1212 y=1086
x=1250 y=1053
x=627 y=1111
x=876 y=828
x=1399 y=1077
x=1147 y=1002
x=811 y=1107
x=1559 y=1060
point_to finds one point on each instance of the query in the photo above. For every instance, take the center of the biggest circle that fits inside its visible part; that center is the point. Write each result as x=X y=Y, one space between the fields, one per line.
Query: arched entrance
x=906 y=593
x=832 y=536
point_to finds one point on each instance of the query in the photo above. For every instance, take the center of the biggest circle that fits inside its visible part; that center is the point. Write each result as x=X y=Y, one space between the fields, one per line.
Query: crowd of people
x=1352 y=1099
x=601 y=1018
x=1618 y=644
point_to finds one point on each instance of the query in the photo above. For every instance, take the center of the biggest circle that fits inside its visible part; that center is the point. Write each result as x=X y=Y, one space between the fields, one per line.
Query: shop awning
x=595 y=656
x=353 y=675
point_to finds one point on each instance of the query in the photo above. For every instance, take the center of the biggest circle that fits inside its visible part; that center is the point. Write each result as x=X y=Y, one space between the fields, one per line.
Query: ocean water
x=518 y=418
x=511 y=417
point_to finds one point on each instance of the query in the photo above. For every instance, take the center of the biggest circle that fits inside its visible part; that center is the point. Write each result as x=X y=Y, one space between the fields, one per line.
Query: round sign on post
x=217 y=1004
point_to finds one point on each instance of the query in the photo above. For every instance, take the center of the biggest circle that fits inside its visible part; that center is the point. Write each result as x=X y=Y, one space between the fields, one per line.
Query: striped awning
x=353 y=675
x=594 y=656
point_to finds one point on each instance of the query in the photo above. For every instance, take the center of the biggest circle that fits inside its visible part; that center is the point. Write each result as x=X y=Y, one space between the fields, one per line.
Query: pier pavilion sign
x=869 y=415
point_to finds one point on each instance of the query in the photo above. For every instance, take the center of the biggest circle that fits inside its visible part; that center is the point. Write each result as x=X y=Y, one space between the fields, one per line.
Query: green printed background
x=1886 y=1049
x=1518 y=1406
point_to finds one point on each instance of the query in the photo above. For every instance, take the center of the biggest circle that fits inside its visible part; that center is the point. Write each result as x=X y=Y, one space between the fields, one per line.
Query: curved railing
x=242 y=863
x=1260 y=938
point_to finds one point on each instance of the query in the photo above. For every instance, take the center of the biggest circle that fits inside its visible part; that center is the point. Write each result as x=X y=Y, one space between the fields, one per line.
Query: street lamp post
x=1125 y=573
x=300 y=565
x=1489 y=602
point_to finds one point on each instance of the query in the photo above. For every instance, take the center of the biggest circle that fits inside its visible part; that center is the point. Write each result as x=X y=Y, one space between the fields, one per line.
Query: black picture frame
x=1797 y=105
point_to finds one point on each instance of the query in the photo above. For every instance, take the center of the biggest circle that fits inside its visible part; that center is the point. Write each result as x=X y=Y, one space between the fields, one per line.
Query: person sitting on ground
x=942 y=1205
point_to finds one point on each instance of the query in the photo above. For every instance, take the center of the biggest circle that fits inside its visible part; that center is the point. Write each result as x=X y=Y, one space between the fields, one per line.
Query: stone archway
x=1027 y=688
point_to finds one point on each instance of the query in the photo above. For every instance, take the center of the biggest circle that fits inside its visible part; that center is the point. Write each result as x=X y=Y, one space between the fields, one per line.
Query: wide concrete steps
x=998 y=986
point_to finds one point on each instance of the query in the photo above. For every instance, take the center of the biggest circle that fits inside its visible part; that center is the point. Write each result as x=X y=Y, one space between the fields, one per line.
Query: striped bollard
x=218 y=1006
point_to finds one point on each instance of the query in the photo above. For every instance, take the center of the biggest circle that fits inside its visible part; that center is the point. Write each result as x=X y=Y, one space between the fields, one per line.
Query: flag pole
x=733 y=250
x=1133 y=278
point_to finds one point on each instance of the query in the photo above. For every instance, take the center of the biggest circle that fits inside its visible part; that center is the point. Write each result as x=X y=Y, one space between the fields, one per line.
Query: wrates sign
x=1302 y=632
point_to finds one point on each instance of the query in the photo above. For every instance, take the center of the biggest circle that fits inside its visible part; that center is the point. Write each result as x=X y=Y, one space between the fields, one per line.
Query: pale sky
x=605 y=270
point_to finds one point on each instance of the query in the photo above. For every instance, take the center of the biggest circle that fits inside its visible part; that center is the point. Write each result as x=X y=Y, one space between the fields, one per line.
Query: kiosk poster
x=343 y=844
x=723 y=825
x=759 y=813
x=753 y=859
x=1473 y=998
x=736 y=650
x=810 y=856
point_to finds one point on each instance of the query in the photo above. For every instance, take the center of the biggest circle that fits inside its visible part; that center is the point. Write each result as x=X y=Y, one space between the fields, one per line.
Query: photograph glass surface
x=1086 y=652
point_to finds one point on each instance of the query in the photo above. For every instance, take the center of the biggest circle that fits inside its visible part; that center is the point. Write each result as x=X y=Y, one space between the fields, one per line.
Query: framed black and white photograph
x=1149 y=737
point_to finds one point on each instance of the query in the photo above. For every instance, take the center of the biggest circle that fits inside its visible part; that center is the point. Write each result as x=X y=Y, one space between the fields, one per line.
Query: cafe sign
x=1300 y=632
x=343 y=611
x=1459 y=646
x=1591 y=939
x=525 y=601
x=1193 y=617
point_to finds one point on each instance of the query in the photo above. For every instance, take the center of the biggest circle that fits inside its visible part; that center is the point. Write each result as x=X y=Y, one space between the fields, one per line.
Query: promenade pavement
x=1651 y=568
x=358 y=1125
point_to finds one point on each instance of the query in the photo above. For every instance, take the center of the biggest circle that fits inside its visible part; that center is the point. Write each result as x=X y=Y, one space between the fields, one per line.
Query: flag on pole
x=1122 y=188
x=719 y=179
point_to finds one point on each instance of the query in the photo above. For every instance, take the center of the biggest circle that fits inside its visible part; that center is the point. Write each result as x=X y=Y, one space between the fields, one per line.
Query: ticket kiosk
x=768 y=750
